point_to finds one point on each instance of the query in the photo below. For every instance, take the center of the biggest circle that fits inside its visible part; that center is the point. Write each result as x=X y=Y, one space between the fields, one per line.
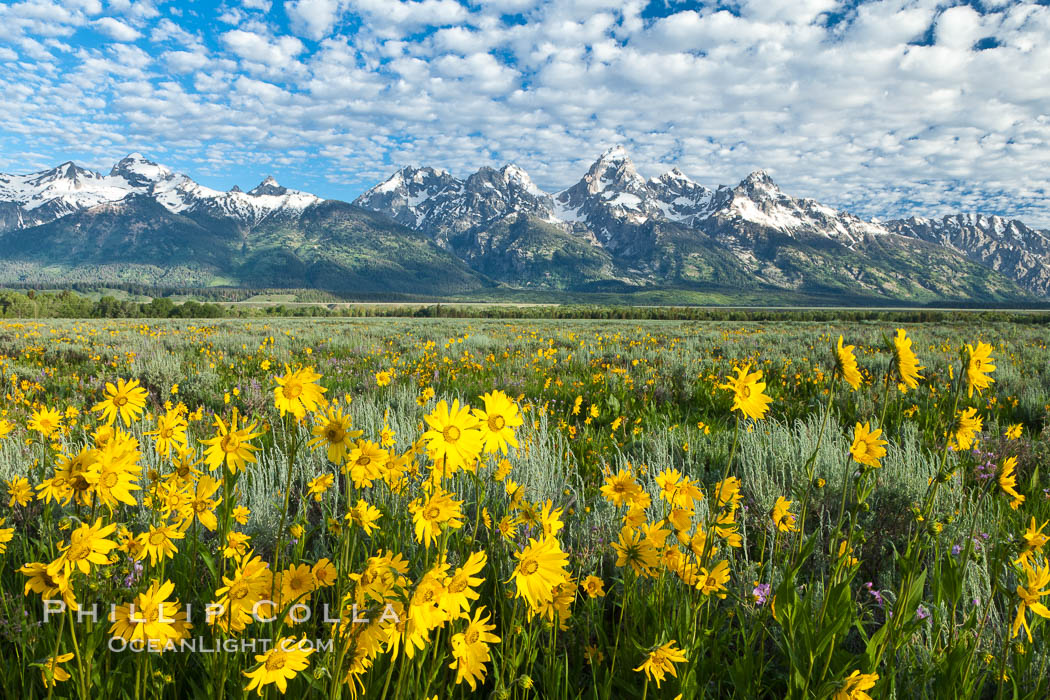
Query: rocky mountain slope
x=616 y=226
x=426 y=231
x=143 y=223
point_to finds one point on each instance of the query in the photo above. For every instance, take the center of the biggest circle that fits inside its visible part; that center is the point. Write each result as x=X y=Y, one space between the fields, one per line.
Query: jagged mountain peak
x=39 y=198
x=612 y=225
x=268 y=186
x=515 y=175
x=672 y=175
x=614 y=154
x=138 y=171
x=759 y=182
x=613 y=171
x=66 y=171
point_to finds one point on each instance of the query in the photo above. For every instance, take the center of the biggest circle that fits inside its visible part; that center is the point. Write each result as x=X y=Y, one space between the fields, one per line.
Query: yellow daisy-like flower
x=594 y=587
x=905 y=362
x=87 y=545
x=1008 y=482
x=126 y=399
x=1030 y=595
x=365 y=463
x=251 y=582
x=48 y=586
x=298 y=392
x=1013 y=432
x=45 y=421
x=324 y=573
x=498 y=421
x=846 y=365
x=52 y=673
x=433 y=514
x=6 y=535
x=365 y=516
x=748 y=393
x=1034 y=540
x=541 y=568
x=854 y=686
x=279 y=665
x=715 y=580
x=967 y=427
x=783 y=518
x=634 y=550
x=867 y=448
x=158 y=544
x=470 y=649
x=621 y=488
x=203 y=505
x=332 y=431
x=979 y=365
x=20 y=491
x=151 y=618
x=454 y=437
x=231 y=446
x=170 y=433
x=319 y=485
x=661 y=660
x=728 y=493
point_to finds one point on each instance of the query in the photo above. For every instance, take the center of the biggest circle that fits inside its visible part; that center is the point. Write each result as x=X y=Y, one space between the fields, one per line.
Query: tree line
x=68 y=304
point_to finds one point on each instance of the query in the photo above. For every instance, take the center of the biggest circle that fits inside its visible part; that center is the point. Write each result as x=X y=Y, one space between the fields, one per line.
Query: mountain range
x=425 y=232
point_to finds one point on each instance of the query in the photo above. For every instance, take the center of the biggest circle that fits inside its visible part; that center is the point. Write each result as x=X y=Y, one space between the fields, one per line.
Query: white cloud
x=279 y=52
x=184 y=61
x=395 y=18
x=853 y=114
x=314 y=19
x=166 y=30
x=117 y=29
x=137 y=10
x=480 y=71
x=90 y=7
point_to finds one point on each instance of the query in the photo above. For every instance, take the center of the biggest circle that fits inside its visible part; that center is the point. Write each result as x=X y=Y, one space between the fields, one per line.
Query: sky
x=884 y=108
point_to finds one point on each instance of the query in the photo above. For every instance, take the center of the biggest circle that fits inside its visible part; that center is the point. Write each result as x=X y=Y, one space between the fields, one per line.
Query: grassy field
x=623 y=519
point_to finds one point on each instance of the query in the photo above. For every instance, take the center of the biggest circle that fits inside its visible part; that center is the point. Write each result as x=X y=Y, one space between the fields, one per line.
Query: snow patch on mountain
x=44 y=196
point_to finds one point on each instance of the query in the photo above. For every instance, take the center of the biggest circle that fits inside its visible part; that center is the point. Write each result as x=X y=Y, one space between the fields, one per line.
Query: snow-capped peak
x=513 y=174
x=759 y=178
x=50 y=194
x=614 y=154
x=68 y=171
x=672 y=175
x=268 y=186
x=139 y=172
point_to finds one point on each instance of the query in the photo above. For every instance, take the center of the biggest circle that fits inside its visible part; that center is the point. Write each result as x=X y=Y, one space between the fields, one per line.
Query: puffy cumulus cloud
x=881 y=107
x=184 y=61
x=117 y=29
x=255 y=48
x=134 y=9
x=395 y=18
x=479 y=71
x=314 y=19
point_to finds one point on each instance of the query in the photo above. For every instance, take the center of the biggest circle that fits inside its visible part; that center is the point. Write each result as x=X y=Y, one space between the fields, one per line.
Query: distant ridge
x=424 y=231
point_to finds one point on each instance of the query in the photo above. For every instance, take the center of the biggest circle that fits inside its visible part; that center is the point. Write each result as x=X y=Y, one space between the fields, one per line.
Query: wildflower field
x=523 y=509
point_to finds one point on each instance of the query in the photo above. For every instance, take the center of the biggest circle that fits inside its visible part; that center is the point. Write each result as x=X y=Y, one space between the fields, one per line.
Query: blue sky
x=885 y=108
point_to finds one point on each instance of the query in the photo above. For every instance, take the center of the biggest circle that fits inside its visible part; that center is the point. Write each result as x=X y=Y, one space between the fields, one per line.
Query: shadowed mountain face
x=425 y=231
